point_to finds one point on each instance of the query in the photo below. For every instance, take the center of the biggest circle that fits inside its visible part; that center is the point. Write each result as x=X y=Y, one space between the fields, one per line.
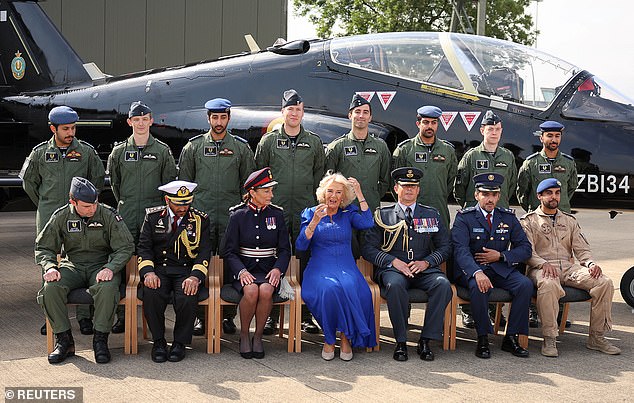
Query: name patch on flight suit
x=131 y=156
x=149 y=157
x=370 y=151
x=51 y=157
x=226 y=151
x=210 y=151
x=303 y=145
x=439 y=158
x=482 y=164
x=282 y=144
x=544 y=168
x=350 y=151
x=73 y=156
x=420 y=156
x=559 y=168
x=73 y=225
x=501 y=164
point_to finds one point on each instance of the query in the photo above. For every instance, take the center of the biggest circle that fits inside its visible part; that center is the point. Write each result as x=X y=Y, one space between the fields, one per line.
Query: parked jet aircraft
x=463 y=74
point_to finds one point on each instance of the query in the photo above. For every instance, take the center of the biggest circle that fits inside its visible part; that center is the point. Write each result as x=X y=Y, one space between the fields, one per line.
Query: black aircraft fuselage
x=399 y=72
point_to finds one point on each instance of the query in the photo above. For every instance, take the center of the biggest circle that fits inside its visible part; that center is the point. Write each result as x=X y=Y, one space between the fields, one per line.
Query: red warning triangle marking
x=368 y=95
x=469 y=119
x=386 y=97
x=447 y=119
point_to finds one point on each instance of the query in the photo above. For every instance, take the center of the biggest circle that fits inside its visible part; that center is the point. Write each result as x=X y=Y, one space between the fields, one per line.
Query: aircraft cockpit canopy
x=473 y=64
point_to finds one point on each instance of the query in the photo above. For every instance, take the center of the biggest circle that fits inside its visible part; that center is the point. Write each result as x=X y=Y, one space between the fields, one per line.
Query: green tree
x=505 y=18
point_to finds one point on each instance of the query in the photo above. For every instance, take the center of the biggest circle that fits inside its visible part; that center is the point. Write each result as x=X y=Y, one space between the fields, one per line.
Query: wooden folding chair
x=225 y=294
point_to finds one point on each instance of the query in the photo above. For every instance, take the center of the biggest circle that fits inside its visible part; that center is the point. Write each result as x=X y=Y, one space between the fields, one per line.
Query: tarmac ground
x=578 y=374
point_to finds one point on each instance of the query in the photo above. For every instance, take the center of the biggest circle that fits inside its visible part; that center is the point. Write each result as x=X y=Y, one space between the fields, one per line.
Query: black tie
x=408 y=216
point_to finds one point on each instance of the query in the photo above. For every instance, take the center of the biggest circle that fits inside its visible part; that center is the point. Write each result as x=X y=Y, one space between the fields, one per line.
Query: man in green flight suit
x=435 y=157
x=137 y=167
x=98 y=245
x=360 y=155
x=219 y=163
x=48 y=171
x=550 y=162
x=296 y=158
x=487 y=157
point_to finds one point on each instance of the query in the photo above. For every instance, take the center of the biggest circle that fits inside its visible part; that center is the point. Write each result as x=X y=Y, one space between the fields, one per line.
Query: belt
x=258 y=253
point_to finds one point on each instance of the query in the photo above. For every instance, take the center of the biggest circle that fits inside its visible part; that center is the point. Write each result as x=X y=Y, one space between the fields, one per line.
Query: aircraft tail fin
x=33 y=53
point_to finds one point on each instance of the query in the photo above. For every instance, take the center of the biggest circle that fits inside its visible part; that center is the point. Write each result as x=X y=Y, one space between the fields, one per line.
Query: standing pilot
x=488 y=242
x=220 y=163
x=137 y=167
x=173 y=254
x=435 y=157
x=98 y=245
x=47 y=173
x=408 y=244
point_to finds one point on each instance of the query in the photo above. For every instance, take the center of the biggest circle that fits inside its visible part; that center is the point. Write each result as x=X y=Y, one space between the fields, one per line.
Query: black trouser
x=155 y=302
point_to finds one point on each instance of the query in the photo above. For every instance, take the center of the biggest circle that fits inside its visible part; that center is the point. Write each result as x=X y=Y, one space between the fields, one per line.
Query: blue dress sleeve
x=360 y=219
x=303 y=243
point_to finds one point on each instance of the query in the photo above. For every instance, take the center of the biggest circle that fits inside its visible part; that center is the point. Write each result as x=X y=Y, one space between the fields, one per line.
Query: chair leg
x=217 y=332
x=280 y=332
x=454 y=324
x=447 y=326
x=50 y=337
x=127 y=346
x=295 y=316
x=564 y=318
x=498 y=316
x=132 y=320
x=209 y=324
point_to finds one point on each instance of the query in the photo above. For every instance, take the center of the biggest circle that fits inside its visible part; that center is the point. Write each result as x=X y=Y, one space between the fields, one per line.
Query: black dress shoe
x=400 y=352
x=533 y=320
x=177 y=352
x=100 y=347
x=119 y=326
x=424 y=351
x=85 y=326
x=64 y=347
x=467 y=320
x=199 y=327
x=482 y=349
x=159 y=350
x=270 y=326
x=43 y=329
x=309 y=326
x=511 y=344
x=228 y=327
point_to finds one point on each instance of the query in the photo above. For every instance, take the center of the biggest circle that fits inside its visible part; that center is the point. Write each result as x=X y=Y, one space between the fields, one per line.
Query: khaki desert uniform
x=135 y=175
x=476 y=161
x=439 y=165
x=48 y=171
x=220 y=168
x=367 y=160
x=558 y=242
x=538 y=167
x=102 y=241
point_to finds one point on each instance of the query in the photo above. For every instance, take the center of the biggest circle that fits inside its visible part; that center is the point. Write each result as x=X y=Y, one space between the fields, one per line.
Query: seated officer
x=557 y=238
x=407 y=245
x=173 y=252
x=98 y=245
x=481 y=236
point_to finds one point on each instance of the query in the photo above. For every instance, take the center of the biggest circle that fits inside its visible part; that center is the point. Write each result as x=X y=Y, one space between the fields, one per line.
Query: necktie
x=408 y=216
x=175 y=224
x=489 y=221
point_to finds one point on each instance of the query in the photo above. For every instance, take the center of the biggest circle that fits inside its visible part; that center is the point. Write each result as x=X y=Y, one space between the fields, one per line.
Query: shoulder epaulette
x=109 y=207
x=467 y=210
x=568 y=214
x=449 y=143
x=533 y=155
x=196 y=137
x=428 y=207
x=276 y=206
x=40 y=145
x=199 y=212
x=567 y=156
x=236 y=207
x=530 y=213
x=240 y=139
x=86 y=144
x=155 y=209
x=65 y=206
x=161 y=142
x=403 y=142
x=507 y=210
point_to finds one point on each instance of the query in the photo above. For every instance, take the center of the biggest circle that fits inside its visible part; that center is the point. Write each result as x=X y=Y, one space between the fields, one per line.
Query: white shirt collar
x=404 y=207
x=484 y=212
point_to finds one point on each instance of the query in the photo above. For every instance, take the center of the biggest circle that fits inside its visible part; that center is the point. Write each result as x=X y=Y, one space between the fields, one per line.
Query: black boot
x=64 y=347
x=119 y=325
x=100 y=347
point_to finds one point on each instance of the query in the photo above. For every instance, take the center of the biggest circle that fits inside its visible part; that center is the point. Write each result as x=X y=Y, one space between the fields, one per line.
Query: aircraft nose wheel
x=627 y=287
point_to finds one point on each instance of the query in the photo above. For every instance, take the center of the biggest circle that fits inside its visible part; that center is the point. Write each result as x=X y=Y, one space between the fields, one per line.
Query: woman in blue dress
x=333 y=288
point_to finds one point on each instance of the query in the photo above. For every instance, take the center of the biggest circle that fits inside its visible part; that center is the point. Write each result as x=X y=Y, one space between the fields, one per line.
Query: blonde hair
x=330 y=177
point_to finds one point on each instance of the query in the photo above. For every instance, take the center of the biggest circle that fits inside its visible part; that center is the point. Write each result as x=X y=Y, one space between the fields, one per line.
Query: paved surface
x=577 y=375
